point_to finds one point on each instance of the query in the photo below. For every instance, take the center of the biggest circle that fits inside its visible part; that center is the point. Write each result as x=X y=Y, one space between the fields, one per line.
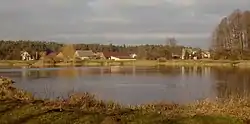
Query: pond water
x=133 y=85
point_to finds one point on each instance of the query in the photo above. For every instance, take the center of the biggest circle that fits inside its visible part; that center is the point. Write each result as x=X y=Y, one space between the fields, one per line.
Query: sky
x=131 y=22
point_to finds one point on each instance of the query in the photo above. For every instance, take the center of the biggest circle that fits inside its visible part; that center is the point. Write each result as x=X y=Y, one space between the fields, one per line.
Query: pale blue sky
x=119 y=21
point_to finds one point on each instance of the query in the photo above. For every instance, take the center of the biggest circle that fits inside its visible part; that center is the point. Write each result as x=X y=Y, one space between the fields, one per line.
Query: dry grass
x=84 y=108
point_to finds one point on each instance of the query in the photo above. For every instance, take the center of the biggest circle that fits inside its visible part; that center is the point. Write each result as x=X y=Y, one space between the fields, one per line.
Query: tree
x=68 y=51
x=231 y=36
x=10 y=50
x=171 y=42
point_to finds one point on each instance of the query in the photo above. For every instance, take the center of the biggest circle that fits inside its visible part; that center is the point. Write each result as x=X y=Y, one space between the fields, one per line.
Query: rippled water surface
x=133 y=85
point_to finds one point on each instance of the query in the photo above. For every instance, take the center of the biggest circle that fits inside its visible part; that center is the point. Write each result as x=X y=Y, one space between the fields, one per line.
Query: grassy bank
x=203 y=63
x=17 y=106
x=217 y=63
x=8 y=63
x=19 y=63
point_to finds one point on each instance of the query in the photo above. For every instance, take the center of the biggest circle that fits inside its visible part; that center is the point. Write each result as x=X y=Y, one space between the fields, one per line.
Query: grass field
x=17 y=106
x=16 y=63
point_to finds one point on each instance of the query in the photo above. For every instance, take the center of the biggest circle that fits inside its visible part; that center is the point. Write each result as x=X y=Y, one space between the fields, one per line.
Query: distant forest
x=10 y=50
x=231 y=38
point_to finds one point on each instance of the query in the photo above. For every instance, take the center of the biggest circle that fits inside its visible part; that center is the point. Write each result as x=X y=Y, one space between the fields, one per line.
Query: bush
x=162 y=60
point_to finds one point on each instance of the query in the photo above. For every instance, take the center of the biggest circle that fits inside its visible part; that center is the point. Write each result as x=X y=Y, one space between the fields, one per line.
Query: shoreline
x=210 y=63
x=85 y=108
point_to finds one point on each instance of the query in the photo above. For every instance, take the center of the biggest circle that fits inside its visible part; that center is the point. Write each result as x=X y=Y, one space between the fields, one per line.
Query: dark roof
x=116 y=54
x=52 y=54
x=85 y=53
x=48 y=51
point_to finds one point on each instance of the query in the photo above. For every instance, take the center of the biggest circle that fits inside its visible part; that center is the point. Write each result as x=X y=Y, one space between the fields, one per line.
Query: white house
x=25 y=55
x=121 y=58
x=118 y=56
x=114 y=58
x=133 y=55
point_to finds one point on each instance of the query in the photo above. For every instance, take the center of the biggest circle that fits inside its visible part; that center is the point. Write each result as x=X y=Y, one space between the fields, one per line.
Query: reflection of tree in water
x=170 y=70
x=231 y=81
x=121 y=70
x=39 y=74
x=178 y=70
x=68 y=72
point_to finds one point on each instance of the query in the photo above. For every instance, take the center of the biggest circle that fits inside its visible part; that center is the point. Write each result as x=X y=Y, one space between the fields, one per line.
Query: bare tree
x=172 y=42
x=246 y=29
x=232 y=34
x=68 y=51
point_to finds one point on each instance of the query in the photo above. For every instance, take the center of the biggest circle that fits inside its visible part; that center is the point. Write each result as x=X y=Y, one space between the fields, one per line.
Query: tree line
x=10 y=50
x=231 y=38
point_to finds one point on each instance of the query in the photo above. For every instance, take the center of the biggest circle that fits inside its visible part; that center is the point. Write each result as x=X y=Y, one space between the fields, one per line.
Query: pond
x=133 y=85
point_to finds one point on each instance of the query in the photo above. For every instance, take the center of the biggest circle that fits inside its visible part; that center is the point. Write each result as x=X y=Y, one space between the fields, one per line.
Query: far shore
x=207 y=62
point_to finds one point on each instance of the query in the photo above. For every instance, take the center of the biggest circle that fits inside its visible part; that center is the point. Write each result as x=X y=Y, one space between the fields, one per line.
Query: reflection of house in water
x=74 y=72
x=25 y=72
x=84 y=54
x=195 y=68
x=115 y=69
x=206 y=71
x=182 y=71
x=195 y=71
x=102 y=71
x=134 y=70
x=44 y=73
x=122 y=70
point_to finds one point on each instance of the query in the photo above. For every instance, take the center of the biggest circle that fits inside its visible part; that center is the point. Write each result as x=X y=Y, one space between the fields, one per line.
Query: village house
x=188 y=53
x=25 y=56
x=99 y=55
x=133 y=55
x=176 y=54
x=206 y=55
x=84 y=54
x=118 y=56
x=54 y=56
x=194 y=55
x=50 y=55
x=60 y=55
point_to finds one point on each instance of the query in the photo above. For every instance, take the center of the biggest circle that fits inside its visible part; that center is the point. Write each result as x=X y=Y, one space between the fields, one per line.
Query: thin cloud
x=122 y=21
x=108 y=20
x=133 y=36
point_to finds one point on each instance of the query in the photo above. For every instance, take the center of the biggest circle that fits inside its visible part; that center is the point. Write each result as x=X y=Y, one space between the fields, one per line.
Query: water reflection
x=232 y=81
x=134 y=85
